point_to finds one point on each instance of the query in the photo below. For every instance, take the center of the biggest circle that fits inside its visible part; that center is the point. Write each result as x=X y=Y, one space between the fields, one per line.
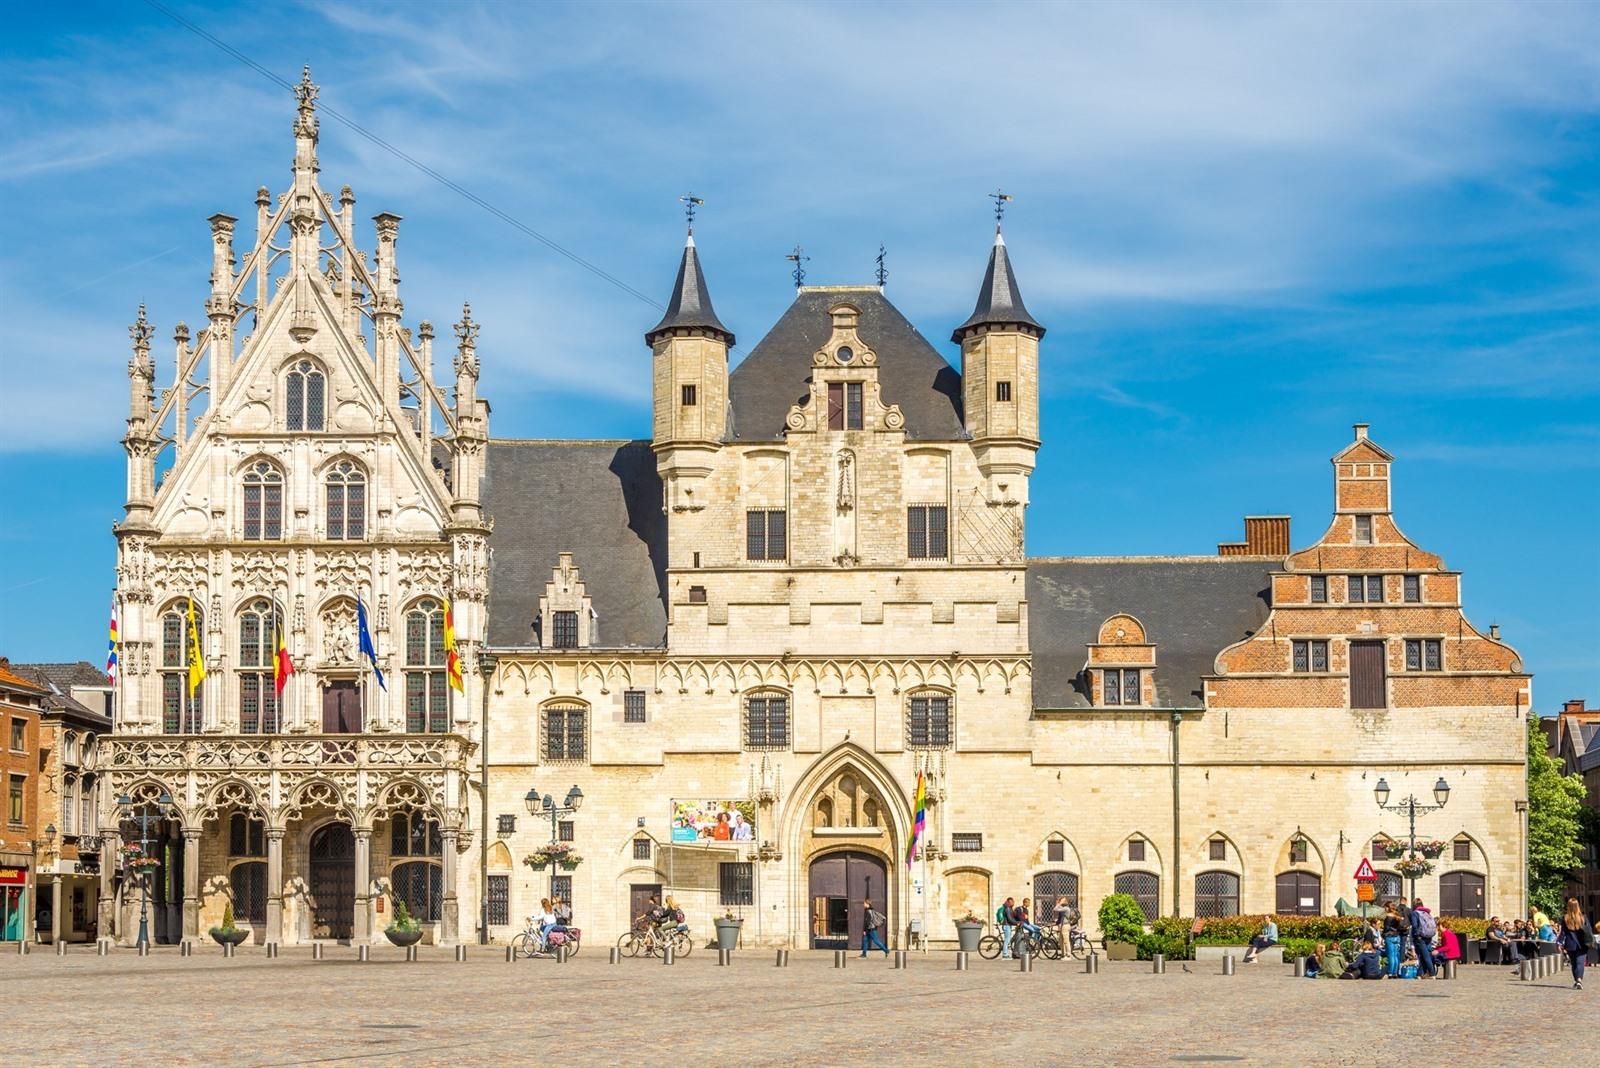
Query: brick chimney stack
x=1264 y=535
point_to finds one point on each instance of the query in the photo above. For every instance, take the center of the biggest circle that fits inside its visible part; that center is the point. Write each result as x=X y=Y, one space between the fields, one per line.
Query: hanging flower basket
x=1414 y=867
x=1432 y=849
x=555 y=853
x=537 y=861
x=1394 y=850
x=144 y=864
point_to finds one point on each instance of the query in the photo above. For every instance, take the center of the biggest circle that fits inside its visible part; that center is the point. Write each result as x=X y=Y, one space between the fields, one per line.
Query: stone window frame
x=247 y=835
x=643 y=848
x=1424 y=654
x=635 y=707
x=766 y=535
x=564 y=752
x=260 y=621
x=181 y=711
x=1359 y=589
x=564 y=628
x=1362 y=530
x=263 y=487
x=1217 y=849
x=1319 y=589
x=929 y=737
x=247 y=890
x=1122 y=675
x=736 y=883
x=506 y=823
x=426 y=667
x=305 y=372
x=350 y=478
x=1002 y=391
x=688 y=396
x=966 y=841
x=1219 y=902
x=920 y=531
x=1312 y=648
x=748 y=732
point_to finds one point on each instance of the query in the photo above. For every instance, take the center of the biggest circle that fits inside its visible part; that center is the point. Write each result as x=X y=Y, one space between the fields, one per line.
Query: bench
x=1272 y=953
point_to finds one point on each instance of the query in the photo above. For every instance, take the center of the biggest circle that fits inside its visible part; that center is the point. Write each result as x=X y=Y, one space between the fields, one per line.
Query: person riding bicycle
x=1026 y=928
x=545 y=921
x=675 y=917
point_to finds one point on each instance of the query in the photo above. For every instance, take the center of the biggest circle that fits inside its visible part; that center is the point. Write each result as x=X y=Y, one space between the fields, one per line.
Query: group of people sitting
x=1519 y=939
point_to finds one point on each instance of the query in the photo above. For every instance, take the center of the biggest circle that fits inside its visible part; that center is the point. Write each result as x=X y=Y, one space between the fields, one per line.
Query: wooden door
x=1367 y=689
x=1461 y=894
x=639 y=899
x=840 y=884
x=341 y=707
x=333 y=882
x=1299 y=894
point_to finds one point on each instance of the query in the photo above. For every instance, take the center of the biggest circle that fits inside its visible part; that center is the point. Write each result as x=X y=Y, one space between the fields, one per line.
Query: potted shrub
x=1121 y=926
x=230 y=933
x=969 y=929
x=403 y=930
x=728 y=931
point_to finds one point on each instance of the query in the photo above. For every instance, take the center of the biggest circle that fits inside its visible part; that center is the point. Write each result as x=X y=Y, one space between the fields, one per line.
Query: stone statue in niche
x=339 y=643
x=847 y=481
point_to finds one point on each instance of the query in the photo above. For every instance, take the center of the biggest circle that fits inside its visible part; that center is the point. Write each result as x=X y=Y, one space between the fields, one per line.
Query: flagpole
x=927 y=890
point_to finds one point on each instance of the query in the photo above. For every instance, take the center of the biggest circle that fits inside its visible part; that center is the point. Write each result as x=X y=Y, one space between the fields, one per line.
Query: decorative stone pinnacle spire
x=305 y=124
x=466 y=329
x=690 y=307
x=141 y=331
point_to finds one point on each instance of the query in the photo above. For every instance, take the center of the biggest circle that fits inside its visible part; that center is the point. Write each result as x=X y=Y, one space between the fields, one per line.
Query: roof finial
x=798 y=257
x=306 y=93
x=883 y=272
x=1001 y=199
x=690 y=202
x=141 y=332
x=466 y=329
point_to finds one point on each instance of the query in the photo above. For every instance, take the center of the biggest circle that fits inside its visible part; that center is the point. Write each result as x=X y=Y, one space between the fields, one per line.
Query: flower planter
x=968 y=935
x=1121 y=950
x=229 y=938
x=728 y=933
x=402 y=936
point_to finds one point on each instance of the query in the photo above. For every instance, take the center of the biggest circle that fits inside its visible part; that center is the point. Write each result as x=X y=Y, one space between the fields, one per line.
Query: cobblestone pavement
x=165 y=1009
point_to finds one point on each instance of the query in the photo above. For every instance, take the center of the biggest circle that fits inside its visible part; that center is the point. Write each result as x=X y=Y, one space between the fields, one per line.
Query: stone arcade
x=806 y=588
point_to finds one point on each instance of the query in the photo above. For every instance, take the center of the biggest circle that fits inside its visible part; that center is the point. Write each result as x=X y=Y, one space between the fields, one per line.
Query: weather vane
x=798 y=257
x=690 y=202
x=883 y=272
x=1001 y=199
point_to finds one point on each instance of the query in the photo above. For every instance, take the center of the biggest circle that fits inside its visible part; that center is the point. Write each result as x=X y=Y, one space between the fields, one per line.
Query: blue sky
x=1247 y=227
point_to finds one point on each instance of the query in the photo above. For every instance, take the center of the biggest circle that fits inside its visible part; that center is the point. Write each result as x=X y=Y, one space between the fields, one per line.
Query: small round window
x=845 y=354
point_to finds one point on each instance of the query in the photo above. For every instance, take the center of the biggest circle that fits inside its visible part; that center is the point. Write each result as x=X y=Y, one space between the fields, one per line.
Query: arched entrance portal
x=333 y=882
x=839 y=883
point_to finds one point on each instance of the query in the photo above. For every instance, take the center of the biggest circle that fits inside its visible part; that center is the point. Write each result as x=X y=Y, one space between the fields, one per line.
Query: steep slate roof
x=1191 y=608
x=600 y=501
x=773 y=378
x=999 y=299
x=59 y=679
x=690 y=306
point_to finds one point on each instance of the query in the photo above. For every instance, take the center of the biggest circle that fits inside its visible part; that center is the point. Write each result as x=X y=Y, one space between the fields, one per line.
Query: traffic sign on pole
x=1364 y=872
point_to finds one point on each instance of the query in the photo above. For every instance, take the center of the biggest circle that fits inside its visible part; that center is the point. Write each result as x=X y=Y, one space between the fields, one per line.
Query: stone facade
x=807 y=590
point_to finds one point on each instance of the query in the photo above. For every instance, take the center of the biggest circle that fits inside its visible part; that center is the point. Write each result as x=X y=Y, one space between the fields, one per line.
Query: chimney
x=1494 y=632
x=1573 y=706
x=1264 y=535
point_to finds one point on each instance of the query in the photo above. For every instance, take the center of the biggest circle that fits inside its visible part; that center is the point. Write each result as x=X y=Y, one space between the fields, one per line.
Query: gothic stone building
x=806 y=589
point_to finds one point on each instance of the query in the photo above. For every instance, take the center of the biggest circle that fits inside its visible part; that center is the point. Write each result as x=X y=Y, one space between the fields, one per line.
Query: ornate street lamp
x=141 y=814
x=545 y=804
x=1411 y=806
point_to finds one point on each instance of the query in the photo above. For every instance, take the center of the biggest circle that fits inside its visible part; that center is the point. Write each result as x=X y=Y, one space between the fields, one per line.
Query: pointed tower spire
x=999 y=300
x=690 y=309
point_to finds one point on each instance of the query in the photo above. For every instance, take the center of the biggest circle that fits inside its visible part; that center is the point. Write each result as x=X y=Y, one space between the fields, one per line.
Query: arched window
x=263 y=502
x=259 y=625
x=304 y=397
x=928 y=721
x=427 y=687
x=824 y=813
x=69 y=804
x=1050 y=887
x=246 y=837
x=1144 y=887
x=766 y=721
x=413 y=834
x=248 y=881
x=420 y=884
x=566 y=735
x=1216 y=893
x=1390 y=887
x=347 y=501
x=180 y=711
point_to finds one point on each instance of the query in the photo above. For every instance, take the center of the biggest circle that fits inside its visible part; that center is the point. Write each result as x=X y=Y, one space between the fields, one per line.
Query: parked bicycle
x=531 y=944
x=650 y=939
x=1040 y=943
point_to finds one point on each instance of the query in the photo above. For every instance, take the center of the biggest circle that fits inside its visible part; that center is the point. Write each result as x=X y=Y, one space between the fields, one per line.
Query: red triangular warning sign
x=1364 y=872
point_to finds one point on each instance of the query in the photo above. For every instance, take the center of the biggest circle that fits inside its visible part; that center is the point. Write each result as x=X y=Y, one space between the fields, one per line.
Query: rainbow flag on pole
x=921 y=823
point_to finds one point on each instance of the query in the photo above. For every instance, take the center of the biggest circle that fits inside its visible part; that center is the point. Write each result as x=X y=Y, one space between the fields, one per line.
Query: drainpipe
x=486 y=665
x=1177 y=823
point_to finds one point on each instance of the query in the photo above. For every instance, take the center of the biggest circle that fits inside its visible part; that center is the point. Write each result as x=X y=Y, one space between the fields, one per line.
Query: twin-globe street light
x=1410 y=806
x=142 y=815
x=541 y=803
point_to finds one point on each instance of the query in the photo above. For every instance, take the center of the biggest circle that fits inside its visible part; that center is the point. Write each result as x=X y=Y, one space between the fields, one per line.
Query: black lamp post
x=1411 y=806
x=143 y=816
x=538 y=804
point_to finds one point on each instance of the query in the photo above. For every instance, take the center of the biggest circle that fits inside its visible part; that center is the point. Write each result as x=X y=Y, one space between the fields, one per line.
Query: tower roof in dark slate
x=1191 y=607
x=598 y=500
x=911 y=373
x=999 y=301
x=690 y=306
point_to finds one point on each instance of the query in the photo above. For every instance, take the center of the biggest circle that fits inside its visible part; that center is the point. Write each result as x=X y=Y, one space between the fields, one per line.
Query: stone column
x=55 y=909
x=275 y=884
x=363 y=915
x=191 y=882
x=450 y=912
x=110 y=847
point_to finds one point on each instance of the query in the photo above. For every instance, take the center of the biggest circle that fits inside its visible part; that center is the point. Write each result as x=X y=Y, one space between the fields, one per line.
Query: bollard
x=61 y=949
x=1228 y=964
x=668 y=955
x=102 y=947
x=1158 y=964
x=316 y=951
x=144 y=949
x=1449 y=969
x=461 y=953
x=272 y=951
x=724 y=957
x=561 y=953
x=1523 y=972
x=511 y=953
x=900 y=959
x=186 y=948
x=1024 y=962
x=841 y=957
x=411 y=953
x=961 y=960
x=1299 y=967
x=229 y=949
x=783 y=958
x=23 y=948
x=363 y=953
x=614 y=956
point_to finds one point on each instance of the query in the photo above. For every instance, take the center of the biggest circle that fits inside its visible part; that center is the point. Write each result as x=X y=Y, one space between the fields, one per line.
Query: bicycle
x=1078 y=943
x=530 y=943
x=1040 y=943
x=650 y=939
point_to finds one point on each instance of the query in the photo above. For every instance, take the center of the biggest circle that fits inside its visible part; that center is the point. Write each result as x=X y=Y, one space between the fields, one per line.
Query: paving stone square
x=249 y=1010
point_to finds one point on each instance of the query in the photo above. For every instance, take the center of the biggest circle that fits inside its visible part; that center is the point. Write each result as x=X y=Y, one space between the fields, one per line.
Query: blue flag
x=368 y=650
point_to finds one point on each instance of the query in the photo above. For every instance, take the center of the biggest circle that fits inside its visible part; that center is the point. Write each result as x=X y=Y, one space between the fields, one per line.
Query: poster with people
x=713 y=821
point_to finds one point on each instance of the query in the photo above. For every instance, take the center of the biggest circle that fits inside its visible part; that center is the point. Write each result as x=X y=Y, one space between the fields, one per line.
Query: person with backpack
x=1396 y=933
x=872 y=922
x=1002 y=920
x=1577 y=939
x=1423 y=929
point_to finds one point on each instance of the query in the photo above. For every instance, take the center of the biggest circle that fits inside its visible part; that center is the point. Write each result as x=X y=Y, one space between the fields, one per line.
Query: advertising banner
x=713 y=821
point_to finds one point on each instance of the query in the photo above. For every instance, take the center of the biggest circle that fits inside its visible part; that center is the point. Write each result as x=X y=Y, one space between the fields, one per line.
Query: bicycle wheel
x=524 y=945
x=989 y=946
x=1080 y=947
x=1050 y=947
x=629 y=944
x=682 y=944
x=573 y=942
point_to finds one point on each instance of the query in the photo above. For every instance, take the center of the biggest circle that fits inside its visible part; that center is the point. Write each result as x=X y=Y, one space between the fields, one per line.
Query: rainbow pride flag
x=921 y=823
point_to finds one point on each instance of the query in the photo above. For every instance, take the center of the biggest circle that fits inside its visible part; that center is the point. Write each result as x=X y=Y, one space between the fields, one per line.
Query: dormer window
x=1121 y=686
x=844 y=406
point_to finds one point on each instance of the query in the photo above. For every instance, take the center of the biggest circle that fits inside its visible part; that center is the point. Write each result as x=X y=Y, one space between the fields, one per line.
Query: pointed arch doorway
x=333 y=882
x=840 y=883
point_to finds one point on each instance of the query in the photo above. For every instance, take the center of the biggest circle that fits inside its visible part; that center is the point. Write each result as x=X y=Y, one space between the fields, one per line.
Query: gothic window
x=347 y=502
x=928 y=723
x=180 y=712
x=766 y=721
x=413 y=834
x=927 y=532
x=420 y=884
x=263 y=502
x=1216 y=894
x=566 y=735
x=305 y=397
x=258 y=696
x=427 y=685
x=766 y=534
x=248 y=883
x=246 y=837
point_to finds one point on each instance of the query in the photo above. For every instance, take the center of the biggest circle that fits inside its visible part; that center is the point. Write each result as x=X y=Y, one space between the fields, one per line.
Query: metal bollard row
x=1158 y=964
x=962 y=960
x=783 y=958
x=900 y=959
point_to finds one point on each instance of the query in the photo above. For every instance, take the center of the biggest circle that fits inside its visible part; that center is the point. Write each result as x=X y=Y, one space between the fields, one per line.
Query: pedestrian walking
x=1423 y=929
x=1396 y=932
x=1002 y=920
x=1577 y=939
x=872 y=922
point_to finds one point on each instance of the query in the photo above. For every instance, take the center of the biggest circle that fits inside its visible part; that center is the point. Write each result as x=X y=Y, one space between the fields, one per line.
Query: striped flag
x=111 y=648
x=197 y=660
x=452 y=659
x=921 y=824
x=282 y=663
